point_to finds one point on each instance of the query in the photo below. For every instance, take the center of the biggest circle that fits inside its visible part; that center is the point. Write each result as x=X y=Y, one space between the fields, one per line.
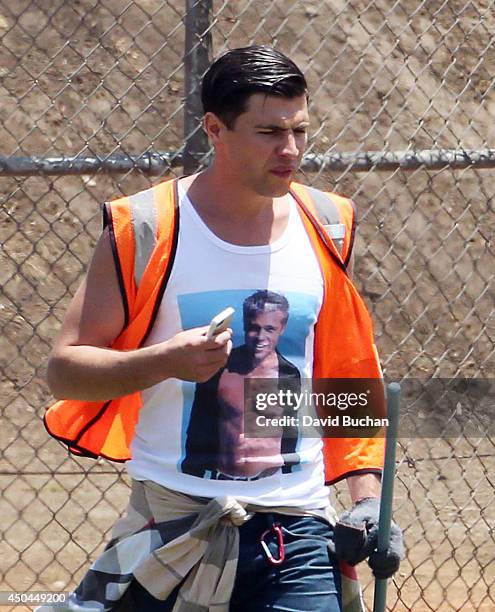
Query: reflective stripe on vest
x=145 y=228
x=327 y=212
x=343 y=339
x=335 y=213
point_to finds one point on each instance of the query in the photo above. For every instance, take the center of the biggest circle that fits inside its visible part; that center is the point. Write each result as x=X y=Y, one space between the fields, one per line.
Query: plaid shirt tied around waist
x=167 y=538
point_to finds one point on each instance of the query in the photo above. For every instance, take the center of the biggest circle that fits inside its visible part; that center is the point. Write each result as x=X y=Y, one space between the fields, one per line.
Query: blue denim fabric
x=307 y=581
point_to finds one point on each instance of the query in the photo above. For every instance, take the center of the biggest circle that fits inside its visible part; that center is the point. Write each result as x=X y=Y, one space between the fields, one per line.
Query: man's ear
x=213 y=127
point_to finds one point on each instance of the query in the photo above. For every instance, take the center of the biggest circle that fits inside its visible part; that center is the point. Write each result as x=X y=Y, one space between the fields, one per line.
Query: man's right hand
x=196 y=358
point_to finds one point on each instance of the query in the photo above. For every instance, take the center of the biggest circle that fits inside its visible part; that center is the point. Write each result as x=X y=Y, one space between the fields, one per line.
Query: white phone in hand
x=220 y=322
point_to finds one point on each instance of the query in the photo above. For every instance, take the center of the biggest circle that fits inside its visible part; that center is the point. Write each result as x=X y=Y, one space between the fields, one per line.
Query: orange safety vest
x=144 y=232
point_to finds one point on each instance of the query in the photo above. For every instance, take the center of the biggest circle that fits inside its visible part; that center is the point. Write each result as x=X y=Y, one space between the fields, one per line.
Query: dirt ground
x=96 y=76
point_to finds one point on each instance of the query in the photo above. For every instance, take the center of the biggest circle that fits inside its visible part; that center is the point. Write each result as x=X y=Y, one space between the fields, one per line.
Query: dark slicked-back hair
x=237 y=74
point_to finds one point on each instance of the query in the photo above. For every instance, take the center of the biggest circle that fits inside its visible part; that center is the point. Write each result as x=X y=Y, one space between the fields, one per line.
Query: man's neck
x=266 y=367
x=214 y=191
x=233 y=212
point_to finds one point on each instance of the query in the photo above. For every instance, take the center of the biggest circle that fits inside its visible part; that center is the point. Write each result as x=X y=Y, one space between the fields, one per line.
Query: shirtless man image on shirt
x=221 y=451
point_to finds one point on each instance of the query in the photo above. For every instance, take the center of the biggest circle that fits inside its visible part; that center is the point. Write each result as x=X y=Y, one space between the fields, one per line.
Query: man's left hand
x=356 y=538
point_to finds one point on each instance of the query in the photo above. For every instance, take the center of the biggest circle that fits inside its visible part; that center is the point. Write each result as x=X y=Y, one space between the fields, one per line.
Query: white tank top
x=188 y=437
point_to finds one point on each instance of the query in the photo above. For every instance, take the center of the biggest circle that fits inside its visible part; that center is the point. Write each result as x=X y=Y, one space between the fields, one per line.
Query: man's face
x=263 y=331
x=264 y=148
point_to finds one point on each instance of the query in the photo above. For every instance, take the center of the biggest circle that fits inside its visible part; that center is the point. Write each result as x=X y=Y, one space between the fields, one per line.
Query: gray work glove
x=356 y=538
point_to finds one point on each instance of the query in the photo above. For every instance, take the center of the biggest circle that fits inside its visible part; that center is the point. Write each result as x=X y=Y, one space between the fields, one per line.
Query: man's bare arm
x=364 y=485
x=83 y=367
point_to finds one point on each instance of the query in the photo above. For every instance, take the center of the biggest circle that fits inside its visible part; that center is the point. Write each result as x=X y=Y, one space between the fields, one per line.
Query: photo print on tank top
x=270 y=334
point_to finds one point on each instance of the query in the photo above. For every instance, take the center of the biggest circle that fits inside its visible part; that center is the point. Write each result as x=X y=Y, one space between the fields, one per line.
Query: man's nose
x=288 y=147
x=263 y=334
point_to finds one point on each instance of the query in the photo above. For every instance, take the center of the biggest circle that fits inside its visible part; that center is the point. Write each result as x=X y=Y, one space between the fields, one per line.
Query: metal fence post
x=196 y=59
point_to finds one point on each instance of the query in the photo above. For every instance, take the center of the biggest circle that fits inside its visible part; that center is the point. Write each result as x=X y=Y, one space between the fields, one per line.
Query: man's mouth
x=283 y=171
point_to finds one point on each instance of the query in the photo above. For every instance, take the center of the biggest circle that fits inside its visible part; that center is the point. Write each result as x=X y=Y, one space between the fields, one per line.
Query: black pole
x=196 y=62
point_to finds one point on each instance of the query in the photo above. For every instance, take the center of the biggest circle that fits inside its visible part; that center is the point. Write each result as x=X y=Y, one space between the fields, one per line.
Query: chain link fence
x=99 y=98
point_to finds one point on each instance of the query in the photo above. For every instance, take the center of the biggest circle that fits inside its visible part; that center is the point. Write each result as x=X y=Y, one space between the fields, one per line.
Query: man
x=224 y=452
x=133 y=346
